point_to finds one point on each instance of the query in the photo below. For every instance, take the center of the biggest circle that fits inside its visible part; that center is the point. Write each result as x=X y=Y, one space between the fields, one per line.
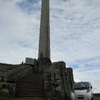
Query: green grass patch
x=8 y=66
x=5 y=98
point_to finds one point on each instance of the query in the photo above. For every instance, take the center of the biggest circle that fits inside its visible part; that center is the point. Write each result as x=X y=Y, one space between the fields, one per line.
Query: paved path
x=27 y=99
x=96 y=98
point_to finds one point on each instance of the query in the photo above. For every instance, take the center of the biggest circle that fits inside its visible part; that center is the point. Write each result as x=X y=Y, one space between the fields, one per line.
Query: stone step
x=26 y=94
x=25 y=88
x=29 y=98
x=29 y=95
x=30 y=88
x=33 y=76
x=28 y=81
x=30 y=84
x=30 y=92
x=34 y=86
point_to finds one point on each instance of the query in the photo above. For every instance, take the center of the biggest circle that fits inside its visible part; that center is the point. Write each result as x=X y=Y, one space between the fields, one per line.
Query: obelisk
x=44 y=39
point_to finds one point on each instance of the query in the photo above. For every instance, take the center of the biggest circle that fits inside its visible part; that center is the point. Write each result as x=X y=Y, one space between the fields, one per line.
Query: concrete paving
x=96 y=98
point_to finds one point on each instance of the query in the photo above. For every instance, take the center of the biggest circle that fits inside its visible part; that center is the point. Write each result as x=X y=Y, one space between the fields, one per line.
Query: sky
x=74 y=34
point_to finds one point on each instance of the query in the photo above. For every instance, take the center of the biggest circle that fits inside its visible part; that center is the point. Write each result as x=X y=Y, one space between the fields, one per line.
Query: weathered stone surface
x=58 y=79
x=4 y=90
x=19 y=72
x=9 y=78
x=7 y=89
x=44 y=41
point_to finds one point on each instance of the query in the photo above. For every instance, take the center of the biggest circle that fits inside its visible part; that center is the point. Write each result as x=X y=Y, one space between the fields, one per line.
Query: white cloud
x=78 y=29
x=77 y=80
x=88 y=74
x=18 y=32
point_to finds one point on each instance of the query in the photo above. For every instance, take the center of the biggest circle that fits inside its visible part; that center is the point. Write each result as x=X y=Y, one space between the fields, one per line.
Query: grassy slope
x=7 y=66
x=5 y=98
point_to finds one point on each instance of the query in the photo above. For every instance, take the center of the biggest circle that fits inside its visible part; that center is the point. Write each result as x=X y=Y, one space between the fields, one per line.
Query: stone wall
x=15 y=73
x=7 y=89
x=8 y=78
x=18 y=73
x=58 y=81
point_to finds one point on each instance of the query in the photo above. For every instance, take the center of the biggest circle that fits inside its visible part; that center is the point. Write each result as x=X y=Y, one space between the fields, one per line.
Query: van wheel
x=92 y=99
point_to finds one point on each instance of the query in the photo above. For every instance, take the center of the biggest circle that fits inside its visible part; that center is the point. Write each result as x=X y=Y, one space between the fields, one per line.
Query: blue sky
x=74 y=31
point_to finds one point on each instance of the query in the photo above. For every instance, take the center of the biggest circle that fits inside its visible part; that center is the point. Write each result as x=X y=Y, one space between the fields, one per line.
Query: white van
x=82 y=91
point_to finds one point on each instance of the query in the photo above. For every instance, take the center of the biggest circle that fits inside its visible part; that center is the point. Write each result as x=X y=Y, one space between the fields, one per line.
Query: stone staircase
x=30 y=88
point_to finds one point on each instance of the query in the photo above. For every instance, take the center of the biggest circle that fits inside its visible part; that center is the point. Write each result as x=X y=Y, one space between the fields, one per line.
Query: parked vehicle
x=82 y=91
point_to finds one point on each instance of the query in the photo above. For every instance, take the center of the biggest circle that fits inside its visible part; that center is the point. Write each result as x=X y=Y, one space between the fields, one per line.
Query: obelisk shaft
x=44 y=40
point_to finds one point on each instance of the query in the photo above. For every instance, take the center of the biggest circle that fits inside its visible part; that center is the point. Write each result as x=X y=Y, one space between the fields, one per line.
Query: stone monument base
x=57 y=79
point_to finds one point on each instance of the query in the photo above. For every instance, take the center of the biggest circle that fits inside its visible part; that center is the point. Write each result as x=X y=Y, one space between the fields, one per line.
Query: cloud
x=91 y=74
x=78 y=29
x=18 y=32
x=98 y=79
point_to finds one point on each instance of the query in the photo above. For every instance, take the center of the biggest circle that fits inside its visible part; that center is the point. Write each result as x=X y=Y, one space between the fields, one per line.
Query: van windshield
x=81 y=86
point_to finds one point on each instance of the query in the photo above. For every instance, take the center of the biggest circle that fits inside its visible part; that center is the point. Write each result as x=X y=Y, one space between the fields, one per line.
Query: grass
x=5 y=98
x=8 y=66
